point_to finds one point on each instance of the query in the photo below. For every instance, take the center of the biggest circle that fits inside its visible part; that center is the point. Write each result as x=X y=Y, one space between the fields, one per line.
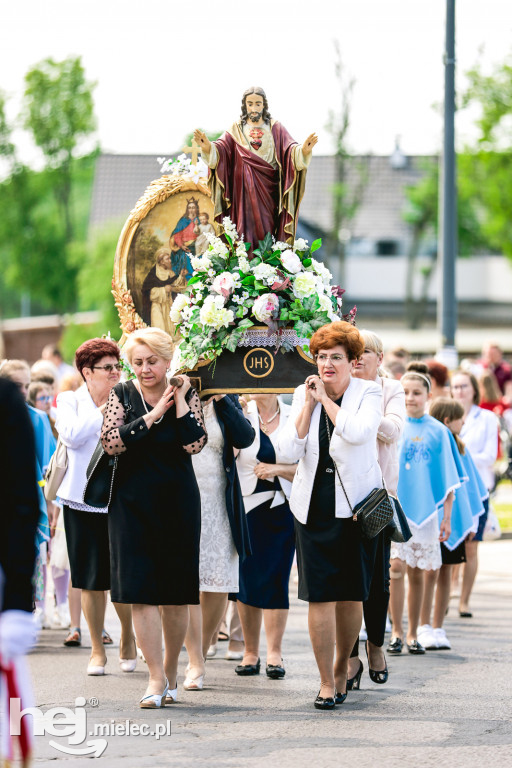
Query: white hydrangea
x=265 y=273
x=201 y=263
x=180 y=302
x=280 y=246
x=300 y=244
x=214 y=314
x=217 y=246
x=321 y=271
x=304 y=285
x=326 y=306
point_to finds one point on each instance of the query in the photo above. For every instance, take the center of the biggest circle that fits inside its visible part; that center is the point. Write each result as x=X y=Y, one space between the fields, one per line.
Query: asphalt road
x=447 y=708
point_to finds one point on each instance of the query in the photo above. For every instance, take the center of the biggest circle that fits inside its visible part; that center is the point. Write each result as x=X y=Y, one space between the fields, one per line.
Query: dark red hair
x=339 y=332
x=93 y=350
x=438 y=372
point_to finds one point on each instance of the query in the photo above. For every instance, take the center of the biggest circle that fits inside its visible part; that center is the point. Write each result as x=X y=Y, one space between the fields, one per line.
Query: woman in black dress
x=155 y=506
x=332 y=432
x=266 y=483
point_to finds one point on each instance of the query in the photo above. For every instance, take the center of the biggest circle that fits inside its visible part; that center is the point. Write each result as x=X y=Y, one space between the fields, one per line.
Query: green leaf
x=316 y=244
x=307 y=262
x=194 y=279
x=304 y=330
x=266 y=243
x=249 y=280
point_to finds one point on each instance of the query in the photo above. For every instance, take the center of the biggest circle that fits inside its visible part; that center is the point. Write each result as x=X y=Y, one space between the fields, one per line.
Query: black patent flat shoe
x=379 y=676
x=275 y=671
x=415 y=648
x=395 y=645
x=353 y=683
x=339 y=698
x=248 y=669
x=326 y=702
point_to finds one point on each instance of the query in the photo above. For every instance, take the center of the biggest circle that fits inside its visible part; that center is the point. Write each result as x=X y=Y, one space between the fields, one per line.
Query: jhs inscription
x=258 y=362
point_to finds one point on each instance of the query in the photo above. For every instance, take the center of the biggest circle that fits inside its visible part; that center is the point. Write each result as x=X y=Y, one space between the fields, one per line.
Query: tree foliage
x=489 y=166
x=43 y=213
x=59 y=113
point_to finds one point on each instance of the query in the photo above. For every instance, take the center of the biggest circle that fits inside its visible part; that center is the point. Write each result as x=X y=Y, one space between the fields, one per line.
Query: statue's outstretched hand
x=308 y=145
x=202 y=139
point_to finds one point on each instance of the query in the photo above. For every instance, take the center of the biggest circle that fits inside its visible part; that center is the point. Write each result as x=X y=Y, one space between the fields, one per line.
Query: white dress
x=218 y=558
x=423 y=550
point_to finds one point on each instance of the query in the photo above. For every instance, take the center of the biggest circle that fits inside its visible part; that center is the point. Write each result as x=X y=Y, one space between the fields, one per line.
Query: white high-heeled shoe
x=128 y=665
x=172 y=695
x=155 y=700
x=97 y=669
x=194 y=683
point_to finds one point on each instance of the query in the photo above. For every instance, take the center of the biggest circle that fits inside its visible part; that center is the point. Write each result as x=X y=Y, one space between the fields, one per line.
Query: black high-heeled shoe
x=353 y=683
x=377 y=676
x=339 y=698
x=326 y=702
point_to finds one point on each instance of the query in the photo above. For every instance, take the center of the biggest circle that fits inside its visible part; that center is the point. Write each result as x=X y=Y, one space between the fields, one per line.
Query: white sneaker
x=234 y=655
x=212 y=650
x=42 y=619
x=441 y=639
x=427 y=638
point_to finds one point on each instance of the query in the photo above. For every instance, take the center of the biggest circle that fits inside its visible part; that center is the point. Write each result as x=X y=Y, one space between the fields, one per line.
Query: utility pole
x=447 y=241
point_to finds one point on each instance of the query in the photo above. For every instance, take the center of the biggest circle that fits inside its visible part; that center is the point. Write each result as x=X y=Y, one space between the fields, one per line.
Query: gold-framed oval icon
x=258 y=362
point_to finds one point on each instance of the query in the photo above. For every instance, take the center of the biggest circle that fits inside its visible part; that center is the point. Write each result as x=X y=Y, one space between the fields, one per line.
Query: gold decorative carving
x=128 y=274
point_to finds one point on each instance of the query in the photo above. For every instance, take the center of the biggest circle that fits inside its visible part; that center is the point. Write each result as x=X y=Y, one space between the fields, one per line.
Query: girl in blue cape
x=467 y=508
x=429 y=475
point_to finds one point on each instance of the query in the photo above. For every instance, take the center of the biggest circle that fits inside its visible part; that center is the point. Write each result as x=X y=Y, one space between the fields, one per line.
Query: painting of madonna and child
x=158 y=264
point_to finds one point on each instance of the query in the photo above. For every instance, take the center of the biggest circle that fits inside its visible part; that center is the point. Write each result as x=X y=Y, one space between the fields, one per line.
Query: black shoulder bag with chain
x=375 y=511
x=101 y=470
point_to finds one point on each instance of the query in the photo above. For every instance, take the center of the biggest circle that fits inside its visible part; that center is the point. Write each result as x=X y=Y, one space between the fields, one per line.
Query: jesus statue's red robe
x=257 y=197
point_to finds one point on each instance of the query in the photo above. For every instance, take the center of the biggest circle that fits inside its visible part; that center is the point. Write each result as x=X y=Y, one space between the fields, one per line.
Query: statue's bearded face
x=254 y=105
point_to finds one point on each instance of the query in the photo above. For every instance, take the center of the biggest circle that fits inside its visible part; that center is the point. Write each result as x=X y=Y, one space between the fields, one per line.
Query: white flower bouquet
x=232 y=289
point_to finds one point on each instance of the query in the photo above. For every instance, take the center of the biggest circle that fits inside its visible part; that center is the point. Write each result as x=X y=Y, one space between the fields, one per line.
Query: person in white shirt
x=480 y=435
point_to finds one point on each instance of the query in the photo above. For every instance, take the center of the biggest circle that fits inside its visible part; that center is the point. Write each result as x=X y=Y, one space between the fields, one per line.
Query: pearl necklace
x=264 y=424
x=157 y=421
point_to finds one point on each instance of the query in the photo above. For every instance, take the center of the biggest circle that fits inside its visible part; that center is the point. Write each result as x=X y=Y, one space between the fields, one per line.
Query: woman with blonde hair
x=332 y=433
x=155 y=512
x=375 y=609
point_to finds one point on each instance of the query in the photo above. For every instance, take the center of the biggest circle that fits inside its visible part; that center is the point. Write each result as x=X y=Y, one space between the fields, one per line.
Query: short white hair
x=157 y=340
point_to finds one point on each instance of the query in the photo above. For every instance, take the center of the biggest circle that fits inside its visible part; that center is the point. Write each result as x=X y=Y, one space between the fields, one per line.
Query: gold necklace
x=264 y=424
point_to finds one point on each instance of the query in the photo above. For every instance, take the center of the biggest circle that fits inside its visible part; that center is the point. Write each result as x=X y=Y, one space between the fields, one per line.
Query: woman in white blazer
x=480 y=436
x=375 y=609
x=265 y=480
x=332 y=433
x=79 y=421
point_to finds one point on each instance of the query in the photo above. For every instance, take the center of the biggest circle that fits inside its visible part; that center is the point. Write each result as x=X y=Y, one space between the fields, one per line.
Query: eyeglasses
x=44 y=398
x=109 y=367
x=334 y=359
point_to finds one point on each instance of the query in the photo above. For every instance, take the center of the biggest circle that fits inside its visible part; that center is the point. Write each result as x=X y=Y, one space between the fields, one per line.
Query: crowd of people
x=210 y=503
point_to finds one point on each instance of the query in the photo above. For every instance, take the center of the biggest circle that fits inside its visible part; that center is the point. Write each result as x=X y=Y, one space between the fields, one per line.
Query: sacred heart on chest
x=255 y=134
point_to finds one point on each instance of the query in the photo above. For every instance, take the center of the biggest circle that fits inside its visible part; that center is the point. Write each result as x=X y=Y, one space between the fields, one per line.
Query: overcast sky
x=164 y=67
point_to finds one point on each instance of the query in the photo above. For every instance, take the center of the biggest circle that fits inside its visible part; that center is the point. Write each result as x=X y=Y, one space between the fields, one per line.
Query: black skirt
x=454 y=556
x=88 y=548
x=334 y=561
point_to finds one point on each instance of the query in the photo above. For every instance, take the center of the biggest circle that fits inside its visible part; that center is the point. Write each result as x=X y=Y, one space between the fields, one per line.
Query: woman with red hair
x=79 y=421
x=332 y=433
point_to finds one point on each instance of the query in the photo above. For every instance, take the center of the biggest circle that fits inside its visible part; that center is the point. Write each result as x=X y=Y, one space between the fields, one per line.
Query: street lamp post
x=447 y=244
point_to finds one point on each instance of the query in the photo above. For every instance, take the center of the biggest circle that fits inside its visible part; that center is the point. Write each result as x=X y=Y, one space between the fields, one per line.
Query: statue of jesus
x=257 y=172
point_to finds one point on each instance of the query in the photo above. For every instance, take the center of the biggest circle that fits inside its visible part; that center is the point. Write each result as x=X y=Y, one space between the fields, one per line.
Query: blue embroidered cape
x=428 y=470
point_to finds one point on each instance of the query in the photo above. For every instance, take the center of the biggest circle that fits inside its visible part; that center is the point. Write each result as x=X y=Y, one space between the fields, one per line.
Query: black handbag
x=101 y=471
x=375 y=511
x=399 y=530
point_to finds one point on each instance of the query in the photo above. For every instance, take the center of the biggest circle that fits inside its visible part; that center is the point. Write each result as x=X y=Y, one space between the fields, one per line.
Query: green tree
x=59 y=113
x=422 y=213
x=489 y=166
